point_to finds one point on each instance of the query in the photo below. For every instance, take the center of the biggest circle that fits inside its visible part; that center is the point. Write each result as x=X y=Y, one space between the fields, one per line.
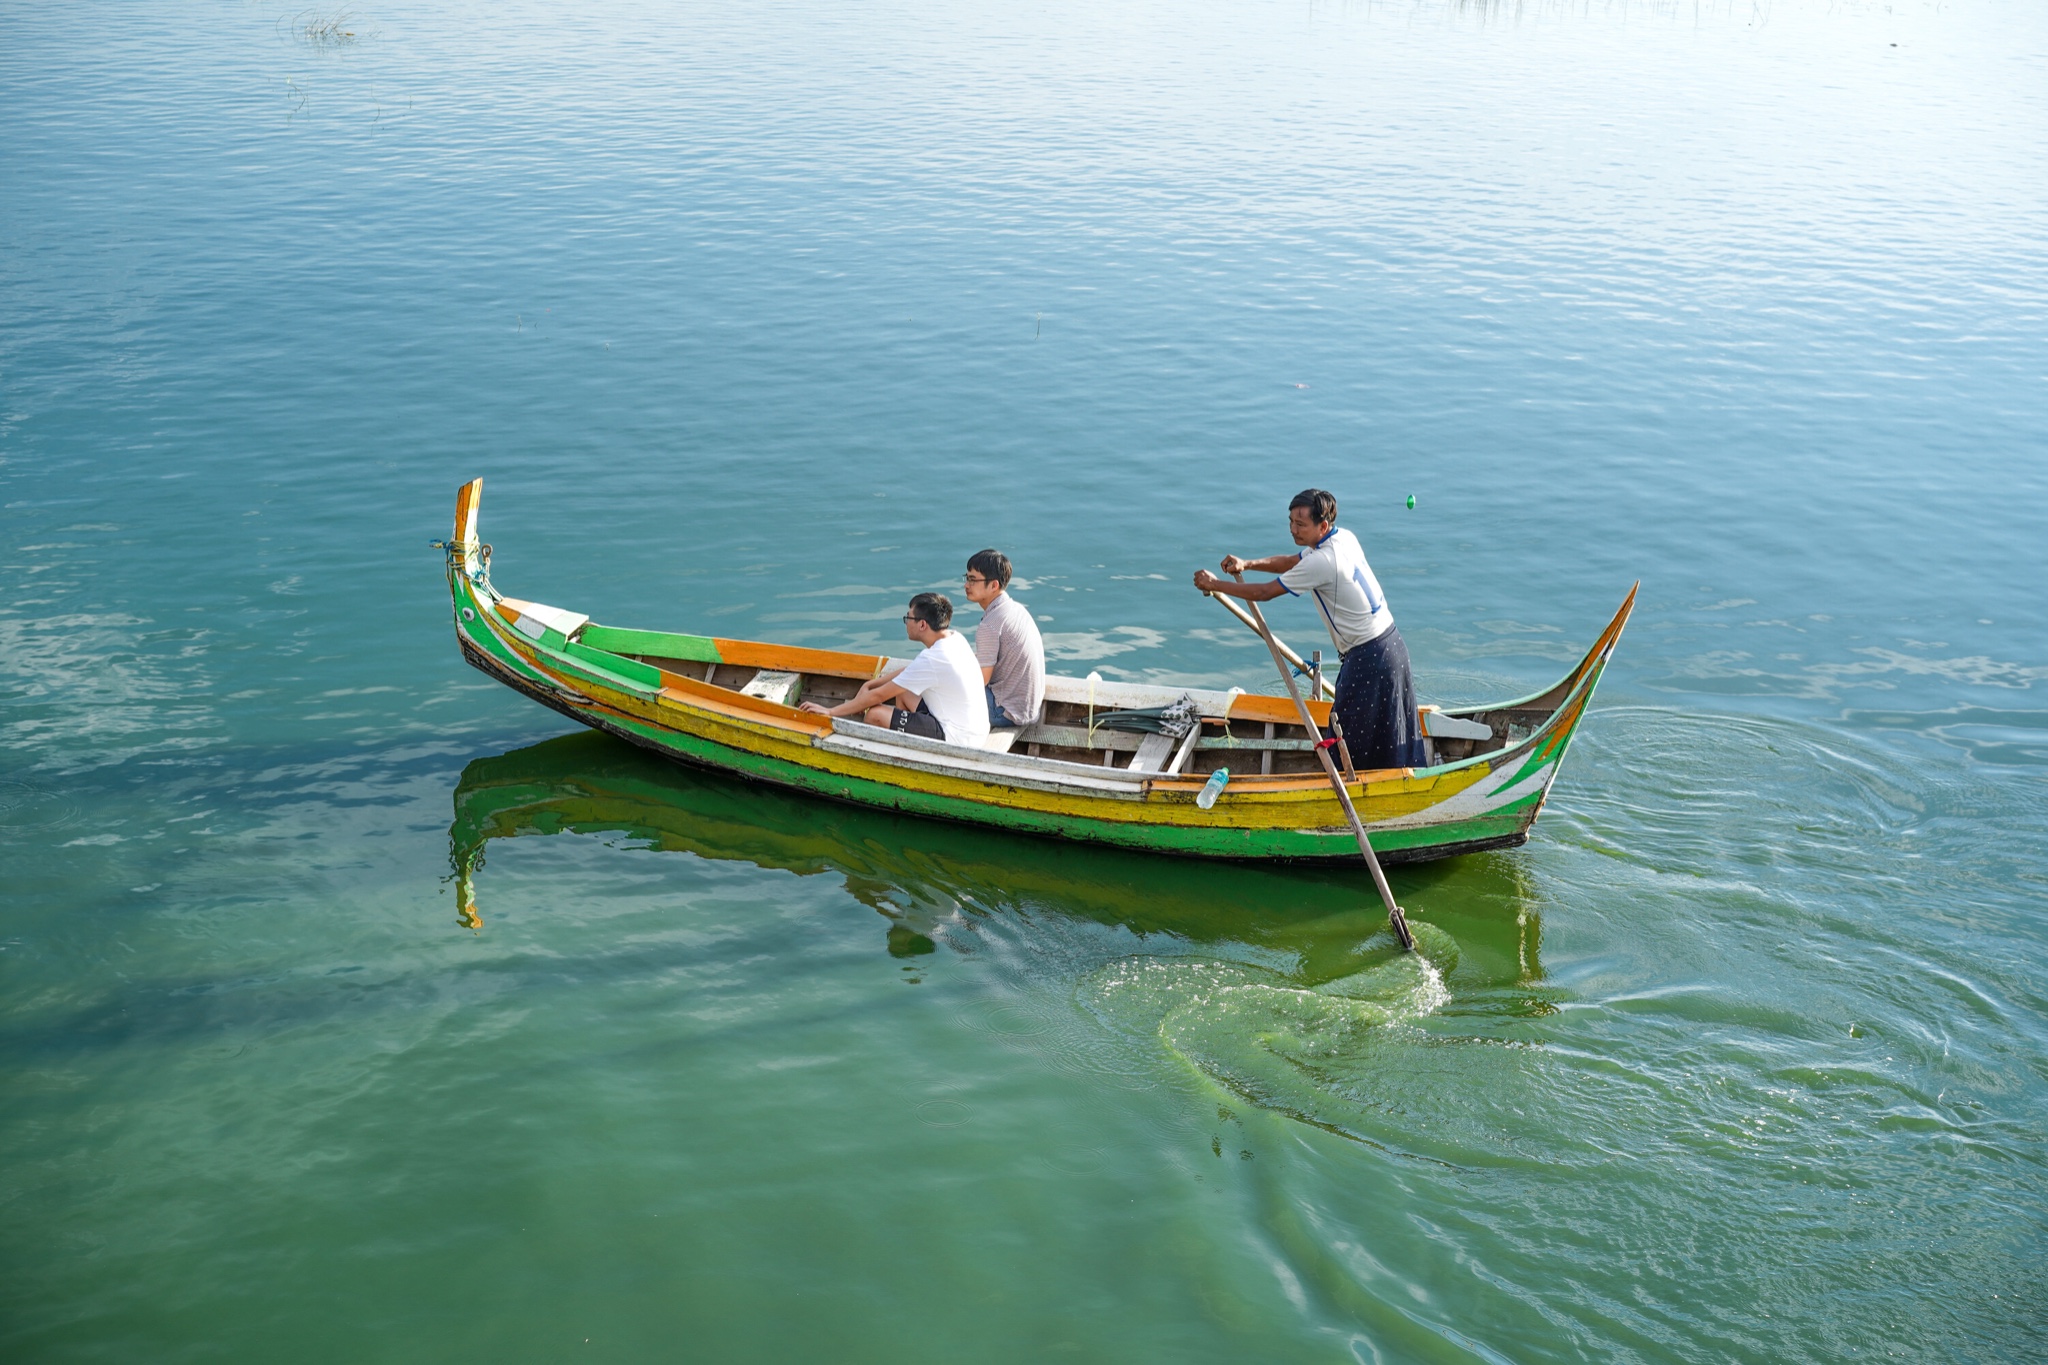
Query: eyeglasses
x=977 y=578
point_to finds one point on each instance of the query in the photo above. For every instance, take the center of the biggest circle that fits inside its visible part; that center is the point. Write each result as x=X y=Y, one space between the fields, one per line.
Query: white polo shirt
x=1335 y=572
x=947 y=679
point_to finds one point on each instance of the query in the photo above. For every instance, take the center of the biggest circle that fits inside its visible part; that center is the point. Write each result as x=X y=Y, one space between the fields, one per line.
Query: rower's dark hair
x=932 y=608
x=993 y=565
x=1322 y=506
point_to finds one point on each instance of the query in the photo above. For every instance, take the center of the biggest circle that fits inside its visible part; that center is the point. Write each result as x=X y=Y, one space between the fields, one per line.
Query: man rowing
x=1375 y=701
x=937 y=695
x=1007 y=644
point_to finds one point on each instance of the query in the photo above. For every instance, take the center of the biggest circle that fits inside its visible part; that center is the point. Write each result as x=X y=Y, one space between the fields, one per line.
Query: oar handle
x=1397 y=920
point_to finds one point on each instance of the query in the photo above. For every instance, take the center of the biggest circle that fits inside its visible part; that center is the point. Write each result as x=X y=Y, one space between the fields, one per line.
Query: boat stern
x=1532 y=766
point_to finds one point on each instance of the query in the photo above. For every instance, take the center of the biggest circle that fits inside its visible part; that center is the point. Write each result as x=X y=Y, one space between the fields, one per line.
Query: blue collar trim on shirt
x=1326 y=536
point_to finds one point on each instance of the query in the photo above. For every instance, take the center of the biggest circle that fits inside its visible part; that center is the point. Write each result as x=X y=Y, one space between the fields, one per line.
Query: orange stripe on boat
x=797 y=659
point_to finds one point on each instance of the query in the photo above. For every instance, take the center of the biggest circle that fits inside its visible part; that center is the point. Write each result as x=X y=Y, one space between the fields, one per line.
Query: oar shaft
x=1398 y=920
x=1241 y=614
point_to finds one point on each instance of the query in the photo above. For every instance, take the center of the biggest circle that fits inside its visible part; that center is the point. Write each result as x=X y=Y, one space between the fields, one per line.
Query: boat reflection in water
x=918 y=872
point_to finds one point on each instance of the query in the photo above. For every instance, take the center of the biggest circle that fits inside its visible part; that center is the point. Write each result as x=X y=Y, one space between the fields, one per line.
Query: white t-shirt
x=947 y=679
x=1335 y=571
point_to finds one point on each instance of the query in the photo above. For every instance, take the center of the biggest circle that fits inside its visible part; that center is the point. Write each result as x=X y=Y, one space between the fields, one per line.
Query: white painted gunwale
x=982 y=765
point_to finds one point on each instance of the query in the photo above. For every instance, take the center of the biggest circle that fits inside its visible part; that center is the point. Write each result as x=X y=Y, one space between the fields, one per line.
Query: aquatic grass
x=338 y=30
x=320 y=29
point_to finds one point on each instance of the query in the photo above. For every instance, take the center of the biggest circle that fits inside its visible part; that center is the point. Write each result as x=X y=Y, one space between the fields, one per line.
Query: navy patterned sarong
x=1376 y=705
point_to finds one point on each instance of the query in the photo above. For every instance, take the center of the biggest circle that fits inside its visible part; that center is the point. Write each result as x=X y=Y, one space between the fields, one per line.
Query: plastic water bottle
x=1213 y=788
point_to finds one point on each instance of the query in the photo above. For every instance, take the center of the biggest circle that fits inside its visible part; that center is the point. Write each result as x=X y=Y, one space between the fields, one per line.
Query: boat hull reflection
x=917 y=873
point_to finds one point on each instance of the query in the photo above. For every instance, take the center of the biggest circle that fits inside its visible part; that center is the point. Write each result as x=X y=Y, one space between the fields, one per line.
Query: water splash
x=1265 y=1037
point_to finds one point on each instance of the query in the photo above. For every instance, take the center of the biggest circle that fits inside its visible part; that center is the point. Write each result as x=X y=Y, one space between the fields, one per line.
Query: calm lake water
x=758 y=319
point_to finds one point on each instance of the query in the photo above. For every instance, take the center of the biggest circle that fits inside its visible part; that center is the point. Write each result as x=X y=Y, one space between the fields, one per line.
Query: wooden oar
x=1395 y=918
x=1241 y=614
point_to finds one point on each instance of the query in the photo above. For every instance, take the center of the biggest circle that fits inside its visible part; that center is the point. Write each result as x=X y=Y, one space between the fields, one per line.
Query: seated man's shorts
x=919 y=722
x=998 y=718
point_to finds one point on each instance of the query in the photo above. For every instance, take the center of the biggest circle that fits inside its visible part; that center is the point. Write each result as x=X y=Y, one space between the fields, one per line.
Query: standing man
x=937 y=695
x=1375 y=692
x=1011 y=654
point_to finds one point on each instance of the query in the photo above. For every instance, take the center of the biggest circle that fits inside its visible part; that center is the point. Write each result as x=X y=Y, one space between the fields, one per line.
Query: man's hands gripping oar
x=1397 y=920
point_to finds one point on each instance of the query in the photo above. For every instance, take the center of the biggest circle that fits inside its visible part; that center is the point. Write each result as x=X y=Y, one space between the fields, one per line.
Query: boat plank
x=688 y=691
x=1279 y=710
x=700 y=649
x=1152 y=754
x=799 y=659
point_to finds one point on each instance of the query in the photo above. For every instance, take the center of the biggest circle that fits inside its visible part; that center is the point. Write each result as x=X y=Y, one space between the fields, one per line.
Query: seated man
x=942 y=685
x=1007 y=644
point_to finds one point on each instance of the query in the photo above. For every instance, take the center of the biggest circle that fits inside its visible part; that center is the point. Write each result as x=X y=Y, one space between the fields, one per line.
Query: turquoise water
x=757 y=319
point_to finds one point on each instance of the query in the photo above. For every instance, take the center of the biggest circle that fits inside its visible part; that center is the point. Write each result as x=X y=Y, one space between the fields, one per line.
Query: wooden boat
x=732 y=705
